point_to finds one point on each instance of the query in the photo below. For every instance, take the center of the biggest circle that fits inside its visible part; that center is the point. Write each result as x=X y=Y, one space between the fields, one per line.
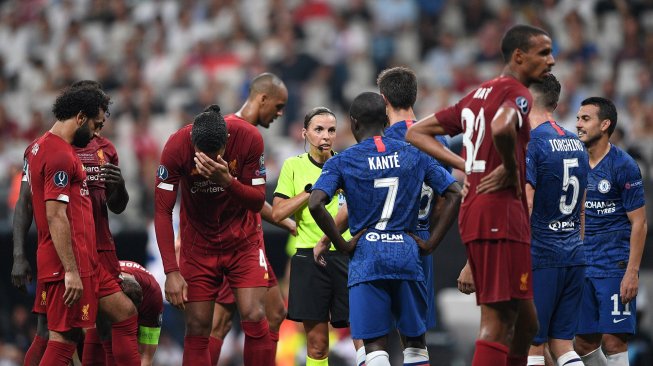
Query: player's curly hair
x=86 y=99
x=399 y=86
x=209 y=132
x=368 y=109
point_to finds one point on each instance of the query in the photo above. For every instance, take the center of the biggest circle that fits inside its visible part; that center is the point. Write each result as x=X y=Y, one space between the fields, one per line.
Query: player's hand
x=111 y=175
x=423 y=246
x=176 y=290
x=74 y=288
x=351 y=244
x=289 y=225
x=465 y=189
x=629 y=286
x=320 y=248
x=466 y=281
x=21 y=272
x=499 y=179
x=217 y=171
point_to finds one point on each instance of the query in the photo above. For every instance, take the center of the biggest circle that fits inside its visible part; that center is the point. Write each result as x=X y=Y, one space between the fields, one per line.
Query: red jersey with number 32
x=54 y=172
x=498 y=215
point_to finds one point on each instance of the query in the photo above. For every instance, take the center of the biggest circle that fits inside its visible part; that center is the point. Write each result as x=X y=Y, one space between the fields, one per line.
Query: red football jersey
x=151 y=309
x=54 y=172
x=211 y=217
x=499 y=215
x=99 y=151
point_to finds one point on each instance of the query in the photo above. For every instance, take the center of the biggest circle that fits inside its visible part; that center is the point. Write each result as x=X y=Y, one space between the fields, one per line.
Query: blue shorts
x=375 y=306
x=557 y=293
x=602 y=310
x=427 y=268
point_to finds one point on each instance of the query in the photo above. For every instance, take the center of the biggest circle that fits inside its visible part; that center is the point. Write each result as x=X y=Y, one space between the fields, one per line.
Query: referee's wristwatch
x=308 y=187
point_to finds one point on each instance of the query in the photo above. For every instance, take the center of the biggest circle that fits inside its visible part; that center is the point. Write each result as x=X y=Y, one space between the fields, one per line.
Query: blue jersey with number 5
x=556 y=166
x=382 y=178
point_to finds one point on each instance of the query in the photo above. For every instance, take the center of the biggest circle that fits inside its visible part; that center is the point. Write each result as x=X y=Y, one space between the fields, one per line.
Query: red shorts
x=226 y=295
x=40 y=299
x=81 y=314
x=501 y=269
x=204 y=270
x=108 y=285
x=109 y=260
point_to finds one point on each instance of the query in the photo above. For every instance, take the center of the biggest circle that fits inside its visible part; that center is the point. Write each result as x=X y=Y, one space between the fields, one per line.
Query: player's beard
x=82 y=136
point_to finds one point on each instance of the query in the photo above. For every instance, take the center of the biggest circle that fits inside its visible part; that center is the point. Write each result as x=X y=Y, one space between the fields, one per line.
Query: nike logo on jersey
x=615 y=321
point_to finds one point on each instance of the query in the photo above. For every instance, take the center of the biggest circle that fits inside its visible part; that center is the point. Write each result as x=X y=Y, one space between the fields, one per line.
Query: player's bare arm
x=117 y=196
x=630 y=282
x=283 y=208
x=443 y=217
x=504 y=136
x=324 y=243
x=421 y=136
x=285 y=223
x=317 y=205
x=59 y=227
x=21 y=272
x=530 y=196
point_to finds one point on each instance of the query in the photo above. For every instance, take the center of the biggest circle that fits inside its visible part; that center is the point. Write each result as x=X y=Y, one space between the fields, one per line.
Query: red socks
x=196 y=351
x=258 y=345
x=515 y=360
x=490 y=354
x=124 y=336
x=215 y=346
x=93 y=354
x=35 y=351
x=58 y=354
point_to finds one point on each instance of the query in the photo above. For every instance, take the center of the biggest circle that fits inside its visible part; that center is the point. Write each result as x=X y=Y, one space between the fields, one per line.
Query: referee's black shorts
x=319 y=293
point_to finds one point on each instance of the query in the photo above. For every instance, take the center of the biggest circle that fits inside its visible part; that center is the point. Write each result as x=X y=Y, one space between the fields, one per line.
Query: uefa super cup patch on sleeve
x=635 y=184
x=522 y=104
x=162 y=172
x=60 y=179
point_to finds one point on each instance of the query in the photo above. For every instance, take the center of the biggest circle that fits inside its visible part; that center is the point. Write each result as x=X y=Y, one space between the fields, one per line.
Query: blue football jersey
x=382 y=178
x=614 y=188
x=556 y=166
x=427 y=199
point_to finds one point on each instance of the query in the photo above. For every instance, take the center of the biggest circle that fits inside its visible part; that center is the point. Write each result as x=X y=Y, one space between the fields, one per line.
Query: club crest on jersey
x=522 y=104
x=233 y=167
x=60 y=179
x=85 y=309
x=100 y=155
x=604 y=186
x=162 y=172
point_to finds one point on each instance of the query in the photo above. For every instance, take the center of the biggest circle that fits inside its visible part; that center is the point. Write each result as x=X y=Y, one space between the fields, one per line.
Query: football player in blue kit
x=556 y=179
x=398 y=86
x=615 y=231
x=382 y=178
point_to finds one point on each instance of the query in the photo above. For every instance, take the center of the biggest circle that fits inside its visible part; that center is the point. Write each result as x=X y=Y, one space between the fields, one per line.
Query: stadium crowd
x=163 y=61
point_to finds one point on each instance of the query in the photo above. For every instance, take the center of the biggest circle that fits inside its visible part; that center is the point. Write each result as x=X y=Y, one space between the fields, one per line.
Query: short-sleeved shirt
x=296 y=173
x=382 y=178
x=151 y=309
x=98 y=152
x=556 y=166
x=210 y=217
x=427 y=199
x=56 y=173
x=614 y=188
x=497 y=215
